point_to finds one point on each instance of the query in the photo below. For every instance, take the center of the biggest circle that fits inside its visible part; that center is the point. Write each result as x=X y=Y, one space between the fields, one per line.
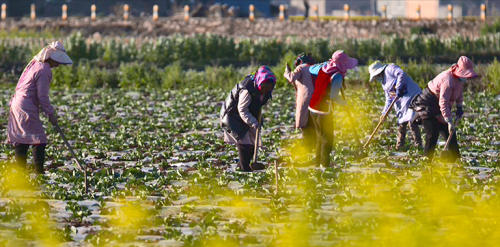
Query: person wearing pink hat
x=328 y=83
x=435 y=103
x=25 y=128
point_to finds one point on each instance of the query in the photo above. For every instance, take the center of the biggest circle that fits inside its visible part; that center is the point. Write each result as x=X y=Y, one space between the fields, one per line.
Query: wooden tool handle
x=380 y=122
x=451 y=135
x=74 y=156
x=257 y=138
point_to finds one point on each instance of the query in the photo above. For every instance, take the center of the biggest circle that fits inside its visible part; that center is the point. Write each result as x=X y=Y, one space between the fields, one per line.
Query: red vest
x=322 y=87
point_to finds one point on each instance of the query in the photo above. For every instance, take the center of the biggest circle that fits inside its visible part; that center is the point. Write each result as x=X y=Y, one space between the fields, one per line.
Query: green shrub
x=493 y=28
x=492 y=78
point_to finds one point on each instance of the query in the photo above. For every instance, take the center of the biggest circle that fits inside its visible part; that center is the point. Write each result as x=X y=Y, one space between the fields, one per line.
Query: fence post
x=126 y=8
x=450 y=12
x=316 y=13
x=33 y=11
x=251 y=16
x=92 y=14
x=64 y=12
x=346 y=12
x=186 y=13
x=155 y=13
x=282 y=12
x=384 y=12
x=483 y=12
x=4 y=11
x=418 y=13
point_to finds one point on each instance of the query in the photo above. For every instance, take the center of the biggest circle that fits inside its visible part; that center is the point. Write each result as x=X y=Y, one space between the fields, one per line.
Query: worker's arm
x=244 y=101
x=291 y=76
x=444 y=100
x=335 y=90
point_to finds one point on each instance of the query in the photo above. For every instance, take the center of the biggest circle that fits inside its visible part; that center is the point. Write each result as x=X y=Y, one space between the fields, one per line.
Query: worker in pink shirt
x=25 y=128
x=435 y=103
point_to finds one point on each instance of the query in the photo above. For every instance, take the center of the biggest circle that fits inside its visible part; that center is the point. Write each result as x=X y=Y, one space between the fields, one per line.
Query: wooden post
x=418 y=13
x=155 y=13
x=346 y=12
x=384 y=12
x=33 y=11
x=186 y=13
x=276 y=175
x=251 y=15
x=64 y=12
x=126 y=9
x=4 y=11
x=282 y=12
x=316 y=13
x=450 y=12
x=483 y=12
x=93 y=9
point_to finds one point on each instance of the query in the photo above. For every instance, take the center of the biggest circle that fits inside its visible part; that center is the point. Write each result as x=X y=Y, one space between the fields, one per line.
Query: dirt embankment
x=145 y=27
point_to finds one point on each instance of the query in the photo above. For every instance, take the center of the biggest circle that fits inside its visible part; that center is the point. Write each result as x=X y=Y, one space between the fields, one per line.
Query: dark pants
x=324 y=135
x=21 y=153
x=309 y=135
x=245 y=154
x=432 y=129
x=402 y=134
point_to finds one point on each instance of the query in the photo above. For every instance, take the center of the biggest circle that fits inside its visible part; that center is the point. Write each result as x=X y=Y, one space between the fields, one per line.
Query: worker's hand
x=53 y=119
x=460 y=112
x=382 y=118
x=400 y=93
x=451 y=128
x=255 y=126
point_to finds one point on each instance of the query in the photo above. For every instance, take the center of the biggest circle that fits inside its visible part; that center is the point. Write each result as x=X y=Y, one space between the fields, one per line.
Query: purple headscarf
x=263 y=75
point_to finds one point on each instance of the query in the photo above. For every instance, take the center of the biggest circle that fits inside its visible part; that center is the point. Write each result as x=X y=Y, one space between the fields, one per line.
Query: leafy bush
x=493 y=28
x=199 y=51
x=492 y=78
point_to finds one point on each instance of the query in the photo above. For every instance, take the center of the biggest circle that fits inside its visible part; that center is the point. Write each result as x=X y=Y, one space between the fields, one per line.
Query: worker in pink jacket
x=435 y=103
x=25 y=128
x=304 y=88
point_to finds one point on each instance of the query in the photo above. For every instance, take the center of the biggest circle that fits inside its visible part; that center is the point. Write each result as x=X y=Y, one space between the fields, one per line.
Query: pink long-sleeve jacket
x=449 y=90
x=32 y=94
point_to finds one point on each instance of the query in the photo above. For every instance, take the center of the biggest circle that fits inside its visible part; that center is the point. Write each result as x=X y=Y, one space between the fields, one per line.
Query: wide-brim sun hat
x=464 y=68
x=375 y=69
x=61 y=57
x=54 y=51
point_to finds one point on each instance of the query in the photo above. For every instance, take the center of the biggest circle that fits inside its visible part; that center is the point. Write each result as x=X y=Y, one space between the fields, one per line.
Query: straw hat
x=375 y=69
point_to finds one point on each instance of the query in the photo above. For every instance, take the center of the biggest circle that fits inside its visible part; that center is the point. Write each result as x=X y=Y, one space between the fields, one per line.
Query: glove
x=459 y=112
x=400 y=93
x=53 y=119
x=255 y=126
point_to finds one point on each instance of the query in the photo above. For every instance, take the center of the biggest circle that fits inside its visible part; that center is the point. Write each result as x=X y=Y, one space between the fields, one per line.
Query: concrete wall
x=429 y=9
x=395 y=8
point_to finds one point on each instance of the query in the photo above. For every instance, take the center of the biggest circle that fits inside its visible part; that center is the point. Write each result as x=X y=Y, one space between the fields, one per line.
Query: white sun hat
x=375 y=69
x=55 y=51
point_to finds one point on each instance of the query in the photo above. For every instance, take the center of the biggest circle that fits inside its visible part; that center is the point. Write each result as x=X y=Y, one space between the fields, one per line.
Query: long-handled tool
x=446 y=153
x=74 y=155
x=362 y=153
x=380 y=122
x=256 y=165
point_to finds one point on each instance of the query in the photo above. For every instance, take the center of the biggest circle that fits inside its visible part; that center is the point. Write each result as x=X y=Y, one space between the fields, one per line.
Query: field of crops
x=160 y=174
